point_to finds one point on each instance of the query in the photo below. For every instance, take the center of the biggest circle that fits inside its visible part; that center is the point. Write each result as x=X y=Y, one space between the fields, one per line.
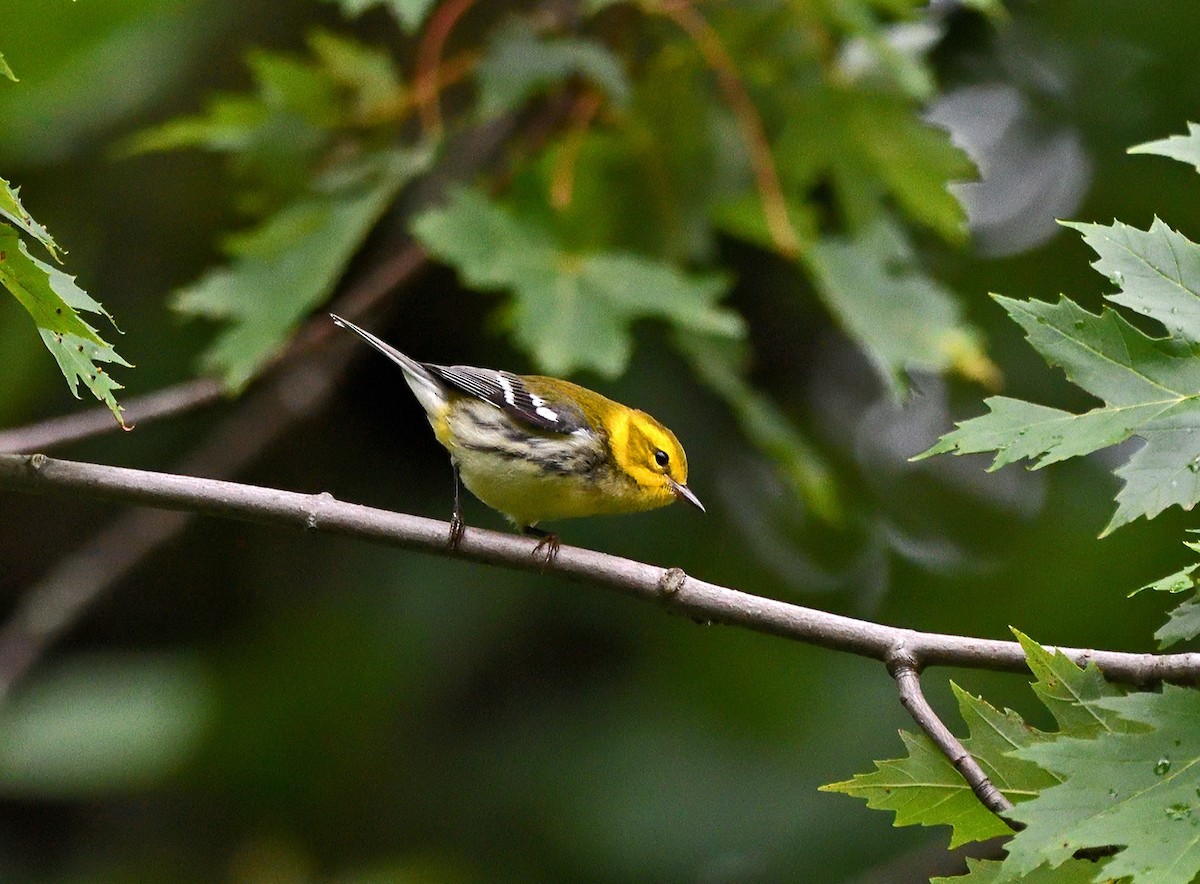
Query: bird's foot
x=457 y=529
x=547 y=545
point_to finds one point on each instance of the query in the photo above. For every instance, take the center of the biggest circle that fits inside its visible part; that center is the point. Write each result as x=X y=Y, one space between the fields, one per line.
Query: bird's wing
x=509 y=393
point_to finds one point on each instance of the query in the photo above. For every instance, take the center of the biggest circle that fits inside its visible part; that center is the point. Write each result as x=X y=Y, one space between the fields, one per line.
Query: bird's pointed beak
x=685 y=493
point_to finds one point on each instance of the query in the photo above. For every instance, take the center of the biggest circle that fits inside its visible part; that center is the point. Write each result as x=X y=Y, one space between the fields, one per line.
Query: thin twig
x=672 y=587
x=427 y=78
x=78 y=579
x=190 y=395
x=908 y=683
x=98 y=421
x=562 y=179
x=766 y=176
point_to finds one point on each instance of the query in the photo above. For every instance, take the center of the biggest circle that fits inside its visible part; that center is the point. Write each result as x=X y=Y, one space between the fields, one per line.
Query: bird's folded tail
x=429 y=390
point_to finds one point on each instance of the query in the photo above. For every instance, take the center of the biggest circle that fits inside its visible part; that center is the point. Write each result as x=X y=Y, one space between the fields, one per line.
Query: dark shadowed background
x=255 y=705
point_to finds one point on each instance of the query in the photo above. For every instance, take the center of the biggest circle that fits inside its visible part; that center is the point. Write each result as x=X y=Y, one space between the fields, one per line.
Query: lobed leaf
x=986 y=871
x=867 y=141
x=519 y=64
x=570 y=311
x=282 y=269
x=1151 y=389
x=925 y=789
x=1068 y=690
x=11 y=208
x=1158 y=271
x=281 y=136
x=1135 y=789
x=1183 y=622
x=53 y=301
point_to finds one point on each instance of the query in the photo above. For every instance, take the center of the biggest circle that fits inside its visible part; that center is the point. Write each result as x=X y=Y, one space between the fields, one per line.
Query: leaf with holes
x=11 y=208
x=53 y=301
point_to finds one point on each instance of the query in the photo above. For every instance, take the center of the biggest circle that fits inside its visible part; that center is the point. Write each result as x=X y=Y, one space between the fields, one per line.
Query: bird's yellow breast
x=533 y=477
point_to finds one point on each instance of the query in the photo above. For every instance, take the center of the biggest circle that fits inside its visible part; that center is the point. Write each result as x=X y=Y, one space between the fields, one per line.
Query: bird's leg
x=457 y=526
x=547 y=546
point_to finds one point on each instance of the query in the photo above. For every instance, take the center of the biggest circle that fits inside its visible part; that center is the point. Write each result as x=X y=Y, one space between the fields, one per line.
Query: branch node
x=671 y=581
x=900 y=660
x=902 y=665
x=311 y=520
x=37 y=461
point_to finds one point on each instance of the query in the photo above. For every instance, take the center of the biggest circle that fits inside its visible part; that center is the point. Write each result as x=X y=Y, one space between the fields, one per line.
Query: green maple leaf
x=282 y=269
x=53 y=301
x=569 y=310
x=1068 y=691
x=1150 y=388
x=1139 y=790
x=984 y=871
x=1185 y=148
x=925 y=789
x=1183 y=622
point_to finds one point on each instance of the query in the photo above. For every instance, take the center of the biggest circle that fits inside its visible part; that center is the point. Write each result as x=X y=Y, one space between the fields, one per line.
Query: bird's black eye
x=661 y=458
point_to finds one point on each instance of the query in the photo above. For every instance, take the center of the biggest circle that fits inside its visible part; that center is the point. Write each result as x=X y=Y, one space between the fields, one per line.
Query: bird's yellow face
x=651 y=455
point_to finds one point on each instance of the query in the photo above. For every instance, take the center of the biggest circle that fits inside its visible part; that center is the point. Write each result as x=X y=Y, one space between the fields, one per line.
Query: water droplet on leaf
x=1162 y=766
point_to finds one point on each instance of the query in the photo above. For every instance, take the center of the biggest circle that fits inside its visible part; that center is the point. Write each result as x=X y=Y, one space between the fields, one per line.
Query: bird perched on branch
x=538 y=449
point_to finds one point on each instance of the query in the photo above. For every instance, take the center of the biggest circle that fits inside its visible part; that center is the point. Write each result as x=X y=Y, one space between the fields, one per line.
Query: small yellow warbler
x=537 y=448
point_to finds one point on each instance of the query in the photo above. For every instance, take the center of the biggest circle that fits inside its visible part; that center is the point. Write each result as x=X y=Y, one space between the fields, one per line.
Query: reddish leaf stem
x=766 y=176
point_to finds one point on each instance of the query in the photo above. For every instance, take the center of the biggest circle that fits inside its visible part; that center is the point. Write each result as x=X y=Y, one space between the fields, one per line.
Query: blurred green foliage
x=253 y=706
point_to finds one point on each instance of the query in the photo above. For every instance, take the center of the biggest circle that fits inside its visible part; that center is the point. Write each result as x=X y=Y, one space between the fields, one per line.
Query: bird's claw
x=457 y=529
x=547 y=549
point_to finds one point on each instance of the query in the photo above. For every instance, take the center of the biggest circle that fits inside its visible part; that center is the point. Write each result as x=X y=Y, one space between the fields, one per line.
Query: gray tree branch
x=45 y=613
x=908 y=683
x=669 y=587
